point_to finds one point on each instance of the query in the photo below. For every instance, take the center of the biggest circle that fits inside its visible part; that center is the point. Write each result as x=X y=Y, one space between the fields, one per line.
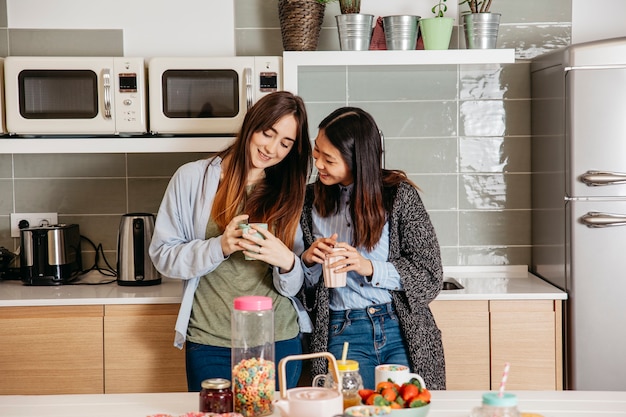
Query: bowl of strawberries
x=410 y=399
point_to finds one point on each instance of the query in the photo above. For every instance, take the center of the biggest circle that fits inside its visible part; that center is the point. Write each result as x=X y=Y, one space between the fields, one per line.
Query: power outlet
x=33 y=219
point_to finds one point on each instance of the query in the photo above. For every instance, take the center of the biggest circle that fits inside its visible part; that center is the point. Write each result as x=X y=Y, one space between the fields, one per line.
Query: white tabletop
x=443 y=404
x=480 y=283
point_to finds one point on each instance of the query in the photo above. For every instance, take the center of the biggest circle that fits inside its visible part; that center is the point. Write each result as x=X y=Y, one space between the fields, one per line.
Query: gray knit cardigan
x=415 y=252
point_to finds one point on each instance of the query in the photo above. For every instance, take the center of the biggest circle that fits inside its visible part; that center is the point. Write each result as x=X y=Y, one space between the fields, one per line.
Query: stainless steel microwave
x=207 y=95
x=75 y=95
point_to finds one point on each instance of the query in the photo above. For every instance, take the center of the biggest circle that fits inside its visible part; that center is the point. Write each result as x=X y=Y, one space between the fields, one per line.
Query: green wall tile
x=69 y=165
x=494 y=227
x=414 y=118
x=438 y=191
x=98 y=196
x=6 y=166
x=446 y=224
x=160 y=164
x=424 y=155
x=494 y=154
x=494 y=191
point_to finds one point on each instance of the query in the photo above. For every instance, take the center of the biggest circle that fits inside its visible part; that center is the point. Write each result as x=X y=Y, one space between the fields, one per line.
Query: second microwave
x=75 y=95
x=207 y=95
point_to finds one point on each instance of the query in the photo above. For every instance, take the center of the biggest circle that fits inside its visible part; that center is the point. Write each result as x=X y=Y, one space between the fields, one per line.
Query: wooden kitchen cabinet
x=464 y=329
x=51 y=350
x=139 y=355
x=527 y=334
x=480 y=336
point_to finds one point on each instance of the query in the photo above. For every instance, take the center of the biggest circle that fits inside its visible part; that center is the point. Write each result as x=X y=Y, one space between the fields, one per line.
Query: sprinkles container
x=254 y=379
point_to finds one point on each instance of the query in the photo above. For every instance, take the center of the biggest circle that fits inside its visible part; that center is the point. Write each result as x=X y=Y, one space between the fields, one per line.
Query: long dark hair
x=356 y=136
x=278 y=199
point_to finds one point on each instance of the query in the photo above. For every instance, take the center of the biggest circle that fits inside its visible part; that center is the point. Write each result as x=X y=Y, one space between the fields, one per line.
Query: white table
x=444 y=404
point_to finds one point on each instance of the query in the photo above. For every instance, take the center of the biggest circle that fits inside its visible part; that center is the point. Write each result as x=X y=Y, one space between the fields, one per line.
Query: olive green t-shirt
x=213 y=300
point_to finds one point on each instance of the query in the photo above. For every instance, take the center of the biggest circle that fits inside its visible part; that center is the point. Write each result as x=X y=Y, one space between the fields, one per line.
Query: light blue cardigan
x=179 y=249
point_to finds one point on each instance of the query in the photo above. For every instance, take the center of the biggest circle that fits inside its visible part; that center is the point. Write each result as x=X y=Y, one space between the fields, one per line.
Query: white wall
x=151 y=27
x=598 y=19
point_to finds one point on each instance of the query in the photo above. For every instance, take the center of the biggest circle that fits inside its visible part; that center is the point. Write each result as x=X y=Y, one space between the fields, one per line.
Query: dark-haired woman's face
x=328 y=161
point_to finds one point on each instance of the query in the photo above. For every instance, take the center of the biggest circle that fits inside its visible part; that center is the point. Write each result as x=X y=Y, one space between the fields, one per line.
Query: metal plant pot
x=355 y=31
x=481 y=30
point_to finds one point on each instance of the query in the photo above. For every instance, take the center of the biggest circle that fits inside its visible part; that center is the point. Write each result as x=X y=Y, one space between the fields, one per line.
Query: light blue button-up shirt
x=358 y=293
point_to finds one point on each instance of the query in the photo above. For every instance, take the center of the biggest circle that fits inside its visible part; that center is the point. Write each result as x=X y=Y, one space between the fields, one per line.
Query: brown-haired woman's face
x=270 y=147
x=328 y=161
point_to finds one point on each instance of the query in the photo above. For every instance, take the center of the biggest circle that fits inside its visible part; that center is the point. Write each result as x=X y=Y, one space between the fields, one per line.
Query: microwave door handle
x=248 y=76
x=596 y=219
x=597 y=178
x=106 y=79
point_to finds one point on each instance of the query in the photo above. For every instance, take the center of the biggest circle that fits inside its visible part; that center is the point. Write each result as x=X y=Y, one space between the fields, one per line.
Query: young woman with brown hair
x=261 y=177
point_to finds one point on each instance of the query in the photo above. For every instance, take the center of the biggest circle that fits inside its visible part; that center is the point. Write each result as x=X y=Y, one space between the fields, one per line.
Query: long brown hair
x=278 y=199
x=356 y=136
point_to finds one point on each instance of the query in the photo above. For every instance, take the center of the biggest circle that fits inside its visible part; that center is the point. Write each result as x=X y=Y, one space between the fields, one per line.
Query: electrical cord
x=108 y=271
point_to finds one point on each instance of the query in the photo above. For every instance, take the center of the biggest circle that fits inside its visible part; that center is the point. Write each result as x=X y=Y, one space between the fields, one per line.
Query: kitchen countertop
x=443 y=404
x=479 y=282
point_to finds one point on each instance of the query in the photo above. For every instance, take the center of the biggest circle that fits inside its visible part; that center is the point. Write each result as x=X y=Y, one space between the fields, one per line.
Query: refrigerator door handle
x=596 y=178
x=598 y=219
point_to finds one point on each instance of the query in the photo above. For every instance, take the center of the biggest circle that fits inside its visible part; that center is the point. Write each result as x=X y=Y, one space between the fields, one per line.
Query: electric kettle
x=134 y=266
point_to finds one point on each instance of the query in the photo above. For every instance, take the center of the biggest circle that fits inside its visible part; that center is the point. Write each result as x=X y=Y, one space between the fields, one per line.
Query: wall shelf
x=292 y=60
x=141 y=144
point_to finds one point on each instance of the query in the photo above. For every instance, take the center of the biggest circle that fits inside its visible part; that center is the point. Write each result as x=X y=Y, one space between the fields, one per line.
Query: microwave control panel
x=130 y=96
x=268 y=82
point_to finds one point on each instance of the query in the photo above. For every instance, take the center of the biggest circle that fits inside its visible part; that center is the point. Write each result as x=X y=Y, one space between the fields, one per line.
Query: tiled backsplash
x=461 y=132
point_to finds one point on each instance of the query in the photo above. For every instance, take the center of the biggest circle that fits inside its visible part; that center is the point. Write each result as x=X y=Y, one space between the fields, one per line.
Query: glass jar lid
x=495 y=400
x=347 y=365
x=216 y=383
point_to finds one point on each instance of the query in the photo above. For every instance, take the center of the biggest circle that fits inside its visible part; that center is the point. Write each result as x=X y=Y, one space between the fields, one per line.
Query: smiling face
x=328 y=161
x=271 y=146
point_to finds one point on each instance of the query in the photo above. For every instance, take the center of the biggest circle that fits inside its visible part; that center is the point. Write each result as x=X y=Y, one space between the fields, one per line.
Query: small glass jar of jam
x=216 y=396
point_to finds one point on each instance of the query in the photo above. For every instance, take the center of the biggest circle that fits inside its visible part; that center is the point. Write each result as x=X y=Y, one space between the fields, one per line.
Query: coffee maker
x=50 y=255
x=134 y=266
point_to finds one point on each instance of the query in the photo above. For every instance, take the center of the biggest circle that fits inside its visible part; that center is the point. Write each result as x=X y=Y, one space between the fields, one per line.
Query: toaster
x=50 y=255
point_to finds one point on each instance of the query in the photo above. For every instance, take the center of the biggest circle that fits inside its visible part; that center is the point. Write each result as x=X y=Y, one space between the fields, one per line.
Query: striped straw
x=505 y=375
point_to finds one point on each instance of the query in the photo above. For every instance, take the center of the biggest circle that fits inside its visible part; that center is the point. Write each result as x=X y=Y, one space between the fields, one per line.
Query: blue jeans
x=203 y=362
x=374 y=338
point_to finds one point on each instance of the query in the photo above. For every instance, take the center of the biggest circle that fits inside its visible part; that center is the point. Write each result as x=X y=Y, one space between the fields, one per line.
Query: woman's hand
x=353 y=261
x=232 y=235
x=318 y=250
x=270 y=249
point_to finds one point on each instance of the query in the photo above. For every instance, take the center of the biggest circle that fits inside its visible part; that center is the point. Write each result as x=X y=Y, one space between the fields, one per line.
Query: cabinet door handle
x=596 y=178
x=596 y=219
x=106 y=80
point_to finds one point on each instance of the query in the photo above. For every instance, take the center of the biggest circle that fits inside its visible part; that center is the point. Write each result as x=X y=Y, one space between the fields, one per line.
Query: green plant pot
x=436 y=32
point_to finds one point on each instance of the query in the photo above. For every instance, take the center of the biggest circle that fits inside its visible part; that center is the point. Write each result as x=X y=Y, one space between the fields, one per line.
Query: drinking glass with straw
x=505 y=376
x=498 y=404
x=344 y=354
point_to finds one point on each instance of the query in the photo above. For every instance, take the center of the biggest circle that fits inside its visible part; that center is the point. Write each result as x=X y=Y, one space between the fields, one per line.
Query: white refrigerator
x=579 y=203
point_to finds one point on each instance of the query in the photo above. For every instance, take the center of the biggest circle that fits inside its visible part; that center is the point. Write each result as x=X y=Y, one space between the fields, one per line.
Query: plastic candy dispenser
x=254 y=379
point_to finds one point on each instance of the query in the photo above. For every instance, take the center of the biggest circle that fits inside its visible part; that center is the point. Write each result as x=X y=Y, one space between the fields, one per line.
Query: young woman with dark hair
x=261 y=177
x=392 y=255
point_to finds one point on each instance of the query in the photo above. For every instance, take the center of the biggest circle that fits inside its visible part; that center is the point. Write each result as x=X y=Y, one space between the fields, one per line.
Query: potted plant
x=437 y=31
x=354 y=28
x=480 y=25
x=346 y=6
x=476 y=6
x=300 y=23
